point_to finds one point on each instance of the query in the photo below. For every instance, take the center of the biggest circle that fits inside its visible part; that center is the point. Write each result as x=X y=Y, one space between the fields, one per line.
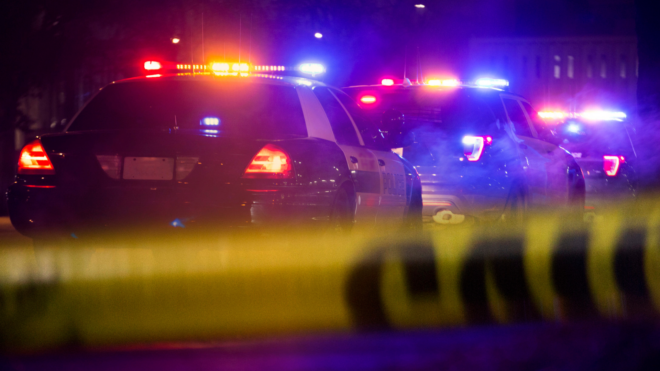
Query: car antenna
x=250 y=43
x=419 y=61
x=418 y=65
x=405 y=61
x=203 y=56
x=240 y=34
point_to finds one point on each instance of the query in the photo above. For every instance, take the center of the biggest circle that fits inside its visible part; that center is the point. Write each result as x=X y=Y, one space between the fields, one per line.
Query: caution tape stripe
x=195 y=289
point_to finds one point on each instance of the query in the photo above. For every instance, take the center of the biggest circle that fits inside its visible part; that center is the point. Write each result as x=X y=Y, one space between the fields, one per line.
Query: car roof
x=266 y=79
x=400 y=87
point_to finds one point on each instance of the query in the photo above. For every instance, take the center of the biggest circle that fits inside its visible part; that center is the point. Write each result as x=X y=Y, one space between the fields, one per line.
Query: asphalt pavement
x=9 y=237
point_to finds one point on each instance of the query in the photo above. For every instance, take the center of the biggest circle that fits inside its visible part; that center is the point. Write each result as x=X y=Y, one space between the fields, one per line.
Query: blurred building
x=563 y=72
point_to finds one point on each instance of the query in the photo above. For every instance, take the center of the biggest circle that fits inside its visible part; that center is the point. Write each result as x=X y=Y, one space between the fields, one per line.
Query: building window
x=557 y=70
x=569 y=67
x=590 y=67
x=623 y=71
x=538 y=67
x=603 y=66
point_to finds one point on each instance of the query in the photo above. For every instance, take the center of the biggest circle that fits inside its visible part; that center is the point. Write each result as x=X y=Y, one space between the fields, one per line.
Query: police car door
x=361 y=161
x=535 y=159
x=392 y=172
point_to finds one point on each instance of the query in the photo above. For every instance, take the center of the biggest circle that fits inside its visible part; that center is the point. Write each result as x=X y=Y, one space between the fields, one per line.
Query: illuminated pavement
x=586 y=346
x=9 y=237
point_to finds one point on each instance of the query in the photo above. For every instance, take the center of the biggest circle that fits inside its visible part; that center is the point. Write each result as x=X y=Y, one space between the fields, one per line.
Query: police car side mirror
x=394 y=130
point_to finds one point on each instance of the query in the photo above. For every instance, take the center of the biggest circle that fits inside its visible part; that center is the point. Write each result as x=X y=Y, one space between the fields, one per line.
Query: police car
x=216 y=145
x=475 y=148
x=602 y=143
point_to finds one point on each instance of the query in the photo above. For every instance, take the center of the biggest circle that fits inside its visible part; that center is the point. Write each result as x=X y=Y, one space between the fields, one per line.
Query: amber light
x=34 y=160
x=368 y=99
x=270 y=163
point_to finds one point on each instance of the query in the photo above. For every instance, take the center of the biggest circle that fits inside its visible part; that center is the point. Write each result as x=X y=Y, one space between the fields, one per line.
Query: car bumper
x=602 y=192
x=464 y=195
x=37 y=211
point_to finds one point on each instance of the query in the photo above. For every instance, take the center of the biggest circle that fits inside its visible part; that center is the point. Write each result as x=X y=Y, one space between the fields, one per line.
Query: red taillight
x=152 y=65
x=387 y=82
x=473 y=146
x=368 y=99
x=270 y=163
x=611 y=164
x=34 y=160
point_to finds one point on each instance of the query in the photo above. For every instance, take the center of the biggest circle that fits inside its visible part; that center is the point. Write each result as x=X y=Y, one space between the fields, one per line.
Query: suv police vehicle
x=602 y=143
x=224 y=147
x=475 y=148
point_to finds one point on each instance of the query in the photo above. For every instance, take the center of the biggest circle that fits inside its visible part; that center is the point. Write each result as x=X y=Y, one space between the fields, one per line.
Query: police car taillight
x=611 y=164
x=473 y=146
x=34 y=160
x=270 y=163
x=387 y=82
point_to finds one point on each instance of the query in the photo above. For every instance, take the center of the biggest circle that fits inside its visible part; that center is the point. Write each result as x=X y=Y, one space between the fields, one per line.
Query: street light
x=420 y=6
x=318 y=35
x=175 y=40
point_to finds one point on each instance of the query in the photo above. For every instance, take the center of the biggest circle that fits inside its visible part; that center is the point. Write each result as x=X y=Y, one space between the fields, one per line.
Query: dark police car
x=602 y=144
x=214 y=149
x=476 y=150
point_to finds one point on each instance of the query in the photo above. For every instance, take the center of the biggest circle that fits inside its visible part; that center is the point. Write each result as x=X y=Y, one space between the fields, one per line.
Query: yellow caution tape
x=232 y=287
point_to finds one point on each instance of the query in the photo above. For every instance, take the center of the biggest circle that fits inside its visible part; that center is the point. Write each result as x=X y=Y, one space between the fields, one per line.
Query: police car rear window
x=245 y=110
x=453 y=112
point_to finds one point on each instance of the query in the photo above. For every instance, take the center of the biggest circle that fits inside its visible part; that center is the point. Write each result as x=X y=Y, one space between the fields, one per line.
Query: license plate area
x=148 y=168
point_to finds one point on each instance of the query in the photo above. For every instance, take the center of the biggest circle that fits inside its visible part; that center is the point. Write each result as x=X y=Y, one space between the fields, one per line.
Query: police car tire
x=341 y=215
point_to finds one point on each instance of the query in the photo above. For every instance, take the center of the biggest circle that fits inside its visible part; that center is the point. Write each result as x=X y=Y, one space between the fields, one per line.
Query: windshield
x=594 y=139
x=245 y=110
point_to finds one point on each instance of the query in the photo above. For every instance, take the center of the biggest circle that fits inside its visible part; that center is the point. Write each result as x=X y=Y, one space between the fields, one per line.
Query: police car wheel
x=341 y=217
x=515 y=210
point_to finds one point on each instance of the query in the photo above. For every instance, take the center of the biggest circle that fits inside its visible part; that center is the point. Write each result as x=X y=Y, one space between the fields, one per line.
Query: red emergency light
x=152 y=65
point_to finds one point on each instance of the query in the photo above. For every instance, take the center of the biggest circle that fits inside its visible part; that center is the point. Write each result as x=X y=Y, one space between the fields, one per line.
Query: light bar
x=270 y=68
x=152 y=65
x=387 y=82
x=311 y=68
x=586 y=115
x=220 y=67
x=488 y=82
x=554 y=115
x=210 y=121
x=242 y=67
x=446 y=82
x=191 y=67
x=602 y=116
